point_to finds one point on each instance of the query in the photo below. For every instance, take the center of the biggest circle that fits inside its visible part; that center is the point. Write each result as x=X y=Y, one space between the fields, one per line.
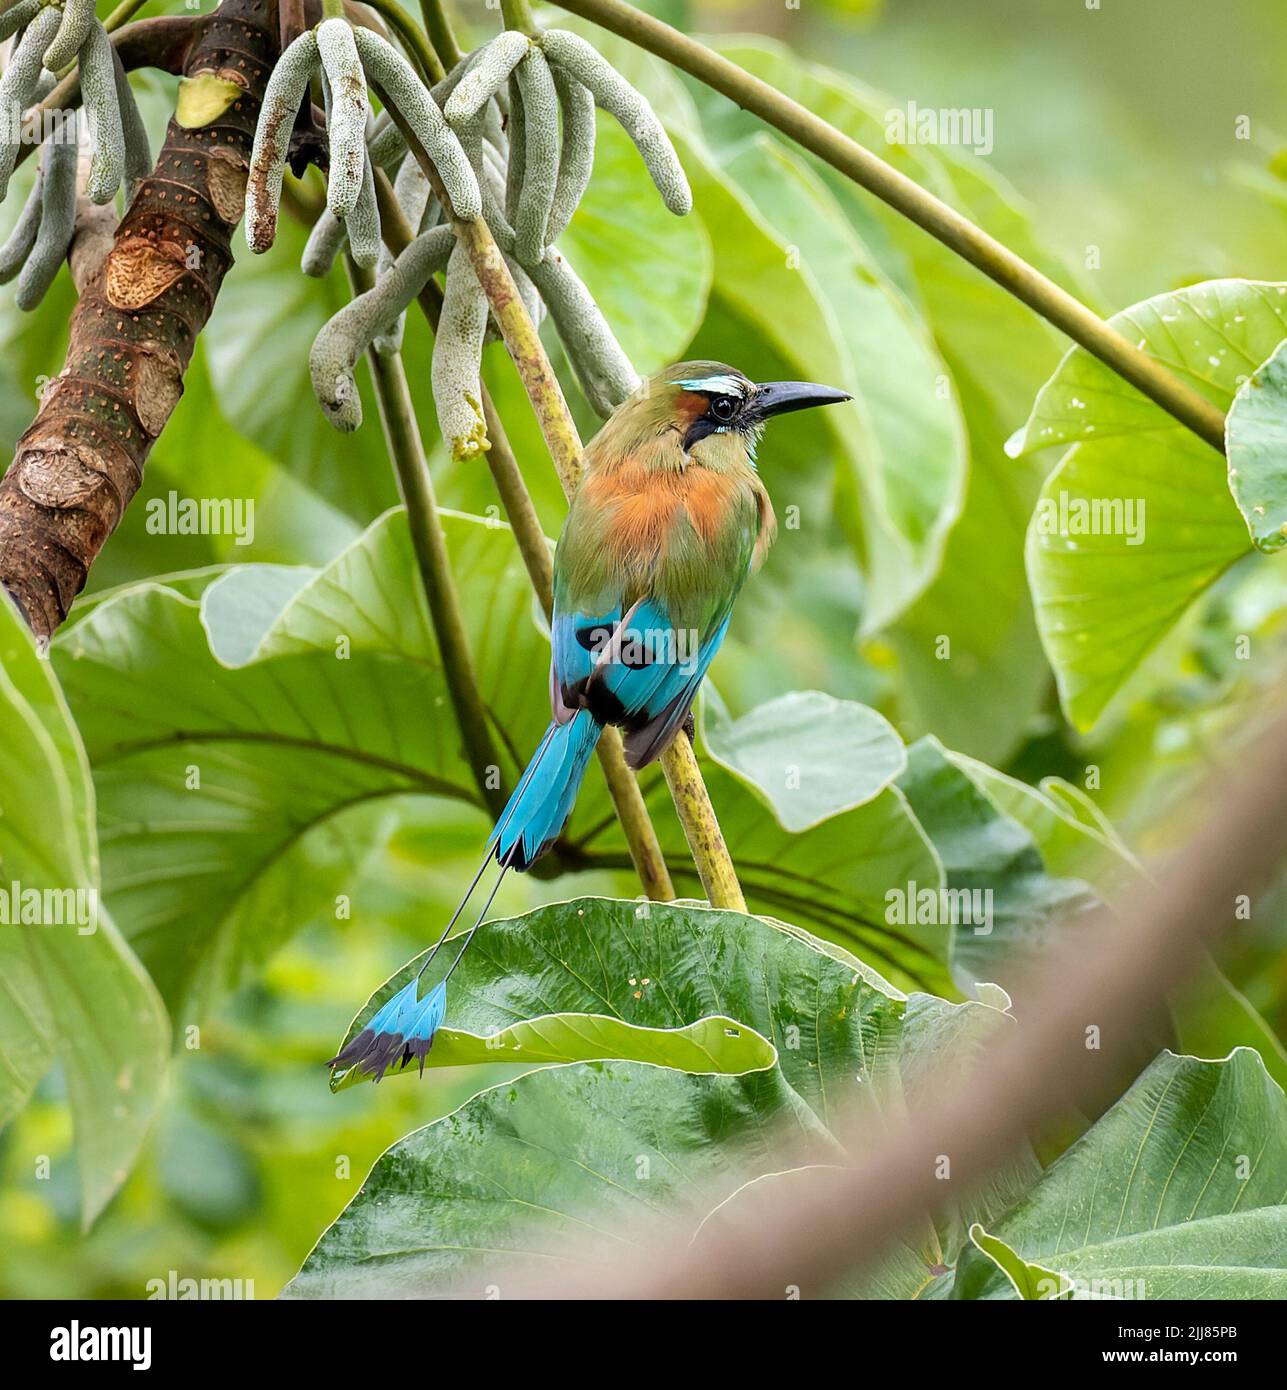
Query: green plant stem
x=418 y=47
x=517 y=14
x=406 y=450
x=957 y=233
x=122 y=14
x=623 y=787
x=441 y=34
x=332 y=9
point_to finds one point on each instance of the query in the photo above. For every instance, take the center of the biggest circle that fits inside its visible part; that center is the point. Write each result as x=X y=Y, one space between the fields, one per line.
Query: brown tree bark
x=135 y=327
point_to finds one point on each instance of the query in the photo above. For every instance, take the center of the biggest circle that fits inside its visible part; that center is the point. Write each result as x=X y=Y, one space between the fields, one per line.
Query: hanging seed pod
x=516 y=164
x=18 y=17
x=397 y=79
x=286 y=87
x=18 y=86
x=600 y=363
x=57 y=222
x=386 y=145
x=541 y=140
x=412 y=191
x=617 y=97
x=138 y=153
x=485 y=75
x=414 y=196
x=577 y=159
x=389 y=340
x=323 y=245
x=346 y=114
x=23 y=237
x=78 y=19
x=363 y=223
x=102 y=107
x=457 y=358
x=346 y=337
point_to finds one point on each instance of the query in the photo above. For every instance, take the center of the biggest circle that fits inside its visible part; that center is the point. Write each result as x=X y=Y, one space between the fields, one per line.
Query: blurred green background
x=1119 y=127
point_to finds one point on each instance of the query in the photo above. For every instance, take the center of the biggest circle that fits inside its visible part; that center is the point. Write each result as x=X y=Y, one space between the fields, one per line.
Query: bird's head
x=712 y=411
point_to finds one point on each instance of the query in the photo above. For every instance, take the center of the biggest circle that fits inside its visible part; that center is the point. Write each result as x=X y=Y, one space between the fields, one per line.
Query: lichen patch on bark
x=140 y=271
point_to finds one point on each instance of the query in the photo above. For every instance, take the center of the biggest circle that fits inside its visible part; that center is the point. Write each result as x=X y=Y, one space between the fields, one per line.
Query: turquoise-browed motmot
x=669 y=521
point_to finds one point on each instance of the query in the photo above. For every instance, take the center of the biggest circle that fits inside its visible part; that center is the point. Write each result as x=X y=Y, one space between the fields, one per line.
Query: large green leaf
x=596 y=979
x=1256 y=437
x=1177 y=1192
x=1105 y=598
x=997 y=352
x=585 y=1150
x=1000 y=898
x=811 y=755
x=70 y=989
x=221 y=788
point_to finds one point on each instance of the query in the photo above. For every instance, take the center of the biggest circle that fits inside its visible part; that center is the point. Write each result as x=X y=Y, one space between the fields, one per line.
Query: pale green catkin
x=18 y=86
x=346 y=114
x=363 y=223
x=77 y=20
x=57 y=222
x=600 y=363
x=494 y=171
x=16 y=18
x=486 y=75
x=577 y=159
x=286 y=87
x=414 y=196
x=23 y=237
x=541 y=132
x=397 y=79
x=102 y=107
x=617 y=97
x=138 y=152
x=323 y=244
x=386 y=145
x=457 y=359
x=346 y=337
x=493 y=211
x=516 y=167
x=411 y=189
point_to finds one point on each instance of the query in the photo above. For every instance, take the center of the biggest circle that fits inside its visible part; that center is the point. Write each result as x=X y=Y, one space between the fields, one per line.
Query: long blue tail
x=543 y=799
x=402 y=1030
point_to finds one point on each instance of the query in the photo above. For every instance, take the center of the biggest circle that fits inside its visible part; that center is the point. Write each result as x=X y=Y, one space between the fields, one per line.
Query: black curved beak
x=779 y=397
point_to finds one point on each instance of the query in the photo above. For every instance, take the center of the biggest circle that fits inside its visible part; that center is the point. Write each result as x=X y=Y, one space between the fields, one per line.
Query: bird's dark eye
x=723 y=408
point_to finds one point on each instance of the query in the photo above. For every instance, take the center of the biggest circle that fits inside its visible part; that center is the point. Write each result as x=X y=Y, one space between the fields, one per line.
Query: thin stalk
x=418 y=47
x=627 y=797
x=441 y=34
x=406 y=450
x=517 y=14
x=958 y=233
x=122 y=14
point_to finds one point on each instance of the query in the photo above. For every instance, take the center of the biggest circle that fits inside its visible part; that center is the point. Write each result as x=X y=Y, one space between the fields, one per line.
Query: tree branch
x=957 y=233
x=133 y=332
